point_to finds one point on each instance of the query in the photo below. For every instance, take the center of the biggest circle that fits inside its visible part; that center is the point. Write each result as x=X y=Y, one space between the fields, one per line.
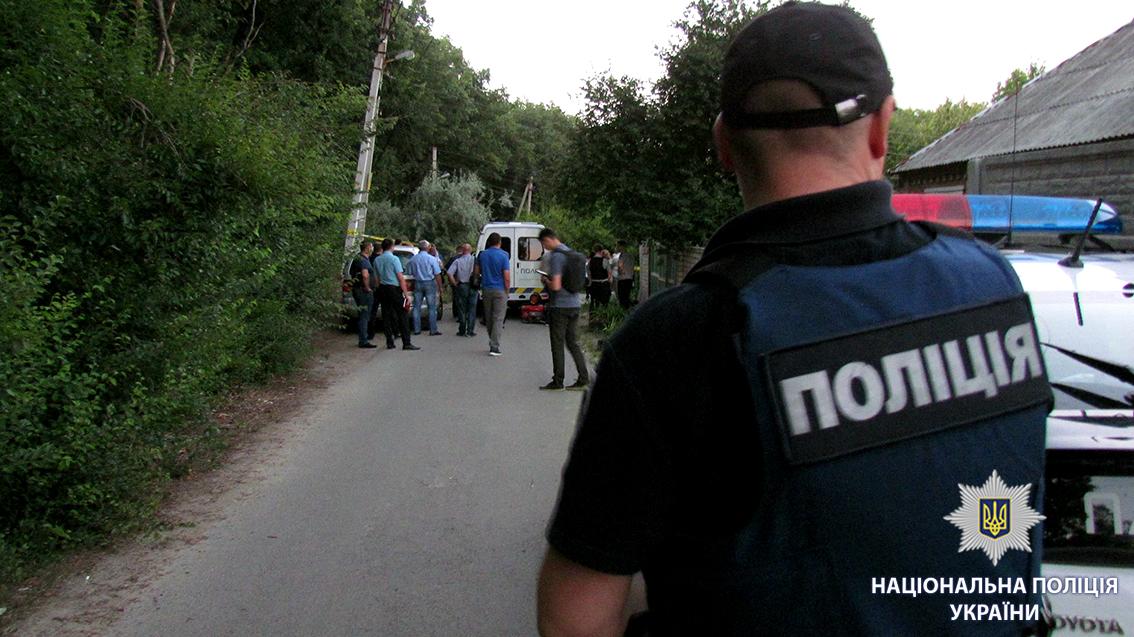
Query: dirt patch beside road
x=84 y=593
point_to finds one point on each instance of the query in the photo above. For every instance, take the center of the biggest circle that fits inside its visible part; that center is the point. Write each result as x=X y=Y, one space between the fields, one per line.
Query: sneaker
x=367 y=345
x=410 y=348
x=552 y=386
x=578 y=385
x=495 y=352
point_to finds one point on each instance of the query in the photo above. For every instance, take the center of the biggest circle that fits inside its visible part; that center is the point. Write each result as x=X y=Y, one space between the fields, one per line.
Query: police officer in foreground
x=771 y=439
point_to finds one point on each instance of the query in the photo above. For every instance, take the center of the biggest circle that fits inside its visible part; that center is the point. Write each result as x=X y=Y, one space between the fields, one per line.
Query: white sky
x=542 y=50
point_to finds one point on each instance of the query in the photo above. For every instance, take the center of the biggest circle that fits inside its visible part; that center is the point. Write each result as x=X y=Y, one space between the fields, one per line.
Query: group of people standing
x=379 y=277
x=610 y=273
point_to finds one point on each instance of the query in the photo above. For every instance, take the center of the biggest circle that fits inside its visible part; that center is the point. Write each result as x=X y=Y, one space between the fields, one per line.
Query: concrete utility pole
x=525 y=200
x=361 y=197
x=433 y=150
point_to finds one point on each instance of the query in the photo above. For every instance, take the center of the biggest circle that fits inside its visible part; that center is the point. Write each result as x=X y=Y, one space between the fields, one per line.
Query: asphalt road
x=413 y=503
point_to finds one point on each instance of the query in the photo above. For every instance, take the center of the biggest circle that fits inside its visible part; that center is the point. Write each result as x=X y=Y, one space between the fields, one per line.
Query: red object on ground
x=531 y=313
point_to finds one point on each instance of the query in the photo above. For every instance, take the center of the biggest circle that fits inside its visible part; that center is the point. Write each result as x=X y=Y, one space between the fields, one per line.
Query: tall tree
x=1016 y=80
x=645 y=154
x=914 y=129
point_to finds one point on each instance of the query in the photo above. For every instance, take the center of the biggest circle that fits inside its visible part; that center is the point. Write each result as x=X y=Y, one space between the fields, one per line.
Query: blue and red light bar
x=991 y=213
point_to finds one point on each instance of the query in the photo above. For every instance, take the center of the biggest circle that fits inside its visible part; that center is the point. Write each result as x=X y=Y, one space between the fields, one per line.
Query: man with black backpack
x=564 y=280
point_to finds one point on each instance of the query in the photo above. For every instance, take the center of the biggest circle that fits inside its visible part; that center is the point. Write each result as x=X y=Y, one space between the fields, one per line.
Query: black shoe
x=436 y=334
x=552 y=386
x=460 y=333
x=367 y=345
x=410 y=348
x=470 y=335
x=417 y=333
x=391 y=345
x=579 y=385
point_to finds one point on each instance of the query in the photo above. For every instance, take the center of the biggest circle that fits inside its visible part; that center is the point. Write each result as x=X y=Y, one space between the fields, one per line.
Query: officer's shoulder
x=683 y=314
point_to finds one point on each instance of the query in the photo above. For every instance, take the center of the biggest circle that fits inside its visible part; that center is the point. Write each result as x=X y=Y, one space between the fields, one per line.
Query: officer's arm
x=402 y=283
x=575 y=600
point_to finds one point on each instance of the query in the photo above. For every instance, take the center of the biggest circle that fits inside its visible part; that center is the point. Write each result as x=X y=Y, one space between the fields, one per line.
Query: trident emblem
x=994 y=517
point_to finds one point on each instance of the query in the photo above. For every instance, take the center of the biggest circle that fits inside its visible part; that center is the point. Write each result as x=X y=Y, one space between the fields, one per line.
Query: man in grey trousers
x=494 y=267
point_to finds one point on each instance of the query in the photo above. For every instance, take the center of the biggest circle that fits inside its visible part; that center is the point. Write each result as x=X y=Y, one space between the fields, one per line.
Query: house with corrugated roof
x=1067 y=133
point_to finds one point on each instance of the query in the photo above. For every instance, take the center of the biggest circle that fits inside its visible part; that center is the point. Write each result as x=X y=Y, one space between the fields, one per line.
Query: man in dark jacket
x=778 y=440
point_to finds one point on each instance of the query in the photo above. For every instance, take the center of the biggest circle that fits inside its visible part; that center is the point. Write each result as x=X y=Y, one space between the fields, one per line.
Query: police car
x=1085 y=320
x=1084 y=314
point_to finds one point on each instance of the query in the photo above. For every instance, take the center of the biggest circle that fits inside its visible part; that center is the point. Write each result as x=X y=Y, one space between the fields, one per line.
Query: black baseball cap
x=831 y=48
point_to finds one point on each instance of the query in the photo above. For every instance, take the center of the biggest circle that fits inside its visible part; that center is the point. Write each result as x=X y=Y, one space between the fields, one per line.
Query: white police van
x=520 y=239
x=1085 y=321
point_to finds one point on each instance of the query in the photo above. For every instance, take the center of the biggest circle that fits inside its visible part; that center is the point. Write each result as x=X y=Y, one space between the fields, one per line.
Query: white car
x=1085 y=320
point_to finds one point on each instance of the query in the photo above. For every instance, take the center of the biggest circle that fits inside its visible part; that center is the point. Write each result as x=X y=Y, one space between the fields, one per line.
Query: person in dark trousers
x=393 y=292
x=362 y=282
x=562 y=315
x=815 y=409
x=460 y=273
x=494 y=268
x=599 y=275
x=624 y=267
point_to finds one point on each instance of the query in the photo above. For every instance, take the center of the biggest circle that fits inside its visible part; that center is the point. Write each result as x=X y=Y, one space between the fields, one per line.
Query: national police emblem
x=995 y=518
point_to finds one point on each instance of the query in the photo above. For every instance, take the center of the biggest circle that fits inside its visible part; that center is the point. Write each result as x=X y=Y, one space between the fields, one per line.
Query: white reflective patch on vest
x=909 y=379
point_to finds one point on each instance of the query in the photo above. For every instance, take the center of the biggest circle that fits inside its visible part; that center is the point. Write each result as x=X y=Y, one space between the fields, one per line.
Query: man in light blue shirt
x=464 y=294
x=426 y=271
x=392 y=291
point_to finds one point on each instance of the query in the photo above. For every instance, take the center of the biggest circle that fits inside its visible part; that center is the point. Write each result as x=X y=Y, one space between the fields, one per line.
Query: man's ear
x=723 y=145
x=880 y=128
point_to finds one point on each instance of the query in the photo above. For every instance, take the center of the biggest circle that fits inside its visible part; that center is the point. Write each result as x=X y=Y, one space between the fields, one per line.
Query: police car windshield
x=1089 y=506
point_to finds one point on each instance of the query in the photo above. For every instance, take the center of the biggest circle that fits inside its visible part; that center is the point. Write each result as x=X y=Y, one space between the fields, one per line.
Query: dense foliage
x=645 y=153
x=163 y=235
x=174 y=185
x=914 y=129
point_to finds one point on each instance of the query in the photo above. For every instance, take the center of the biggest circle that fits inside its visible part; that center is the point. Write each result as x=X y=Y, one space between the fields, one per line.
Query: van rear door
x=529 y=254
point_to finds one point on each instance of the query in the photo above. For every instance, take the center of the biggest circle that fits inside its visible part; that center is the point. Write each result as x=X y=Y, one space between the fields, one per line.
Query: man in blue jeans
x=426 y=271
x=362 y=287
x=464 y=294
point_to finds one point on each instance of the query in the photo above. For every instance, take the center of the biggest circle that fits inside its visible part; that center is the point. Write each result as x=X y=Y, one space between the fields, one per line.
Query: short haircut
x=387 y=243
x=493 y=240
x=423 y=244
x=362 y=248
x=547 y=233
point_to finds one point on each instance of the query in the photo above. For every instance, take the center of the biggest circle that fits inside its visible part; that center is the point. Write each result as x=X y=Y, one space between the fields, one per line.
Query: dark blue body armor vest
x=878 y=389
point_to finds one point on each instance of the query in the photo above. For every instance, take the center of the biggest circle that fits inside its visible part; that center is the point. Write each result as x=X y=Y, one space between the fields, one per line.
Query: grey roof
x=1088 y=98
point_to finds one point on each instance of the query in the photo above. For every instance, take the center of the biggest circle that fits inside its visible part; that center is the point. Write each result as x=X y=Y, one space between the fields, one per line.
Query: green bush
x=162 y=238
